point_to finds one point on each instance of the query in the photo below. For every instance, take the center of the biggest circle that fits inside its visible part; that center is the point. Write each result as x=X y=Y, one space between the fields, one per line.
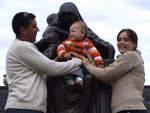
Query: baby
x=78 y=43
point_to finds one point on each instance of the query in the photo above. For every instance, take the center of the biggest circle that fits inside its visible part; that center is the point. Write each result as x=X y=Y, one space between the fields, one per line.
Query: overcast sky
x=105 y=17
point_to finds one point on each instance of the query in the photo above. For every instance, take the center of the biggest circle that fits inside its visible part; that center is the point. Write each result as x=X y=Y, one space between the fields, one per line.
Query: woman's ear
x=134 y=46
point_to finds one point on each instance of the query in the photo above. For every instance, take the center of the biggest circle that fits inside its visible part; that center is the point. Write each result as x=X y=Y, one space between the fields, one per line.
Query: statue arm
x=49 y=37
x=41 y=44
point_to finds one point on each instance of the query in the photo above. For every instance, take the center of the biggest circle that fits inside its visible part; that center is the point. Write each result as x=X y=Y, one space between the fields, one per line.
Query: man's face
x=31 y=31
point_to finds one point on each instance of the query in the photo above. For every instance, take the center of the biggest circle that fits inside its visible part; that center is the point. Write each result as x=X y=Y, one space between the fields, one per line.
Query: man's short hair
x=21 y=19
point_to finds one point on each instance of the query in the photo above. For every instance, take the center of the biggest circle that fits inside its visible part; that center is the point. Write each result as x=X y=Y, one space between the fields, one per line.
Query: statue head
x=68 y=13
x=52 y=19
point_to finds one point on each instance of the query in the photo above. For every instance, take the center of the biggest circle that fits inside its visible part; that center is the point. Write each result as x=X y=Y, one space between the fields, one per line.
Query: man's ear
x=23 y=30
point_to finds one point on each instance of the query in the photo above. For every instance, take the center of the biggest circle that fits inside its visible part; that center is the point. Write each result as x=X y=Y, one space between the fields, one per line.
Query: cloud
x=105 y=17
x=141 y=3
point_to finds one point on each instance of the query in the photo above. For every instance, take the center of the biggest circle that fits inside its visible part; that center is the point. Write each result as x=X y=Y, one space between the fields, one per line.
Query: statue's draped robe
x=96 y=97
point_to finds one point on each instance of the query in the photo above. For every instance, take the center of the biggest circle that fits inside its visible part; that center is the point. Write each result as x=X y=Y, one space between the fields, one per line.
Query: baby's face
x=76 y=34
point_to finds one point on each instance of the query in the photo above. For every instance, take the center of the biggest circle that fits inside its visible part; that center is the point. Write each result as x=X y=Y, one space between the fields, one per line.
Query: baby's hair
x=83 y=26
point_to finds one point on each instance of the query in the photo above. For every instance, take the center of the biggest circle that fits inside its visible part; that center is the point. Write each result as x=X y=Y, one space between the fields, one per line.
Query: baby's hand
x=68 y=56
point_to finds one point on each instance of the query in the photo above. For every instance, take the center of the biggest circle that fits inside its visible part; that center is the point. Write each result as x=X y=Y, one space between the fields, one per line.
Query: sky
x=105 y=17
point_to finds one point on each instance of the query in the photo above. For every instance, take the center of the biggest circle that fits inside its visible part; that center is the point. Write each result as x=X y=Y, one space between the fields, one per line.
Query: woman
x=126 y=75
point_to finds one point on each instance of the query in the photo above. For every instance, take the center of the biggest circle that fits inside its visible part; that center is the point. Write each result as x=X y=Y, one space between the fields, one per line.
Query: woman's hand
x=85 y=61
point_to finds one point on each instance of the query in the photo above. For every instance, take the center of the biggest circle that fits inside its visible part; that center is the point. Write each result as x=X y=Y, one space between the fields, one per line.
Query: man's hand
x=68 y=56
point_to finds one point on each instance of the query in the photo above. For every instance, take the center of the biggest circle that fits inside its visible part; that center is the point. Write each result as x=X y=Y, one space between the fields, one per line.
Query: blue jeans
x=74 y=74
x=22 y=111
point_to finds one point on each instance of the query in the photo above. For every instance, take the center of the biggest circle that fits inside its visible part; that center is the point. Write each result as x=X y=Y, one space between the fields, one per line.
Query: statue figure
x=96 y=96
x=52 y=37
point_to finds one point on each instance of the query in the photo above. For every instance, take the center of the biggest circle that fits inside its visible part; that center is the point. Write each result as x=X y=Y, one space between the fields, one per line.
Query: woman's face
x=124 y=43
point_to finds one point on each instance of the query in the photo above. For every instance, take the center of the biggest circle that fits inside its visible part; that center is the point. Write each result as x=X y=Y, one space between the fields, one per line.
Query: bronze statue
x=96 y=96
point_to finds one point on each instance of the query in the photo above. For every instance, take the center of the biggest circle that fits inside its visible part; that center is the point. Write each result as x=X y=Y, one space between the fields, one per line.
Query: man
x=26 y=68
